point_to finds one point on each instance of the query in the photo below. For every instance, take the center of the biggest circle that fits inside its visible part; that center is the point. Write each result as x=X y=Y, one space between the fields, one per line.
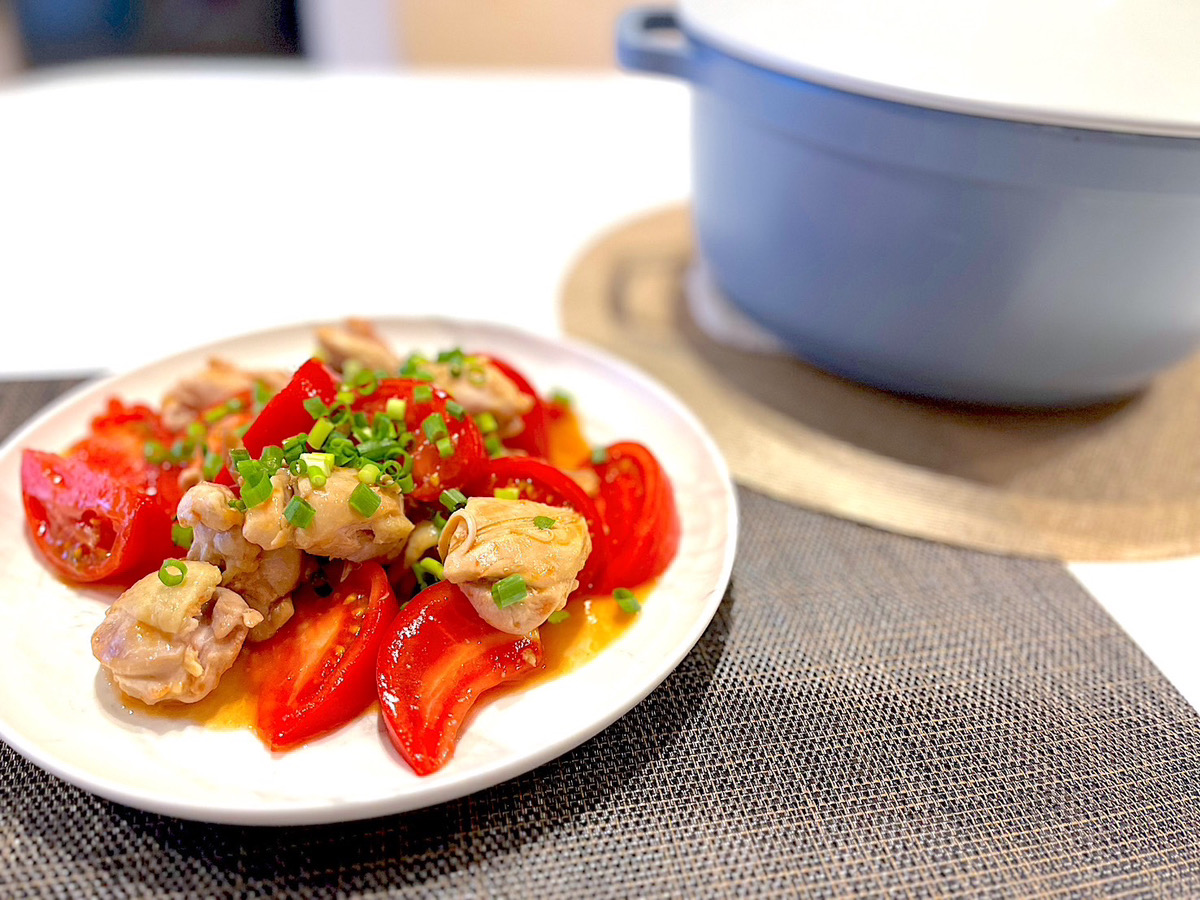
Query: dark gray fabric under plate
x=868 y=715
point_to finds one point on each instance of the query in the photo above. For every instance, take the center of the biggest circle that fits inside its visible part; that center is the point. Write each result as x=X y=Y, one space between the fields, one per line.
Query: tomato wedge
x=533 y=438
x=539 y=481
x=639 y=511
x=88 y=525
x=432 y=473
x=117 y=445
x=284 y=416
x=318 y=672
x=437 y=658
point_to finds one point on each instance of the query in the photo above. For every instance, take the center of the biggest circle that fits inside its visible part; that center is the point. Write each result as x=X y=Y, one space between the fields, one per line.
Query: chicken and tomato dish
x=368 y=529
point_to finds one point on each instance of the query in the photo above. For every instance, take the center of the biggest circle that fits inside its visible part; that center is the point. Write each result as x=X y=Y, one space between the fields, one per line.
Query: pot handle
x=649 y=39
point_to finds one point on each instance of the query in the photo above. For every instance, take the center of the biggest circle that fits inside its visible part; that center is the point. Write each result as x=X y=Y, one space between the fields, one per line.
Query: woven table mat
x=867 y=715
x=1119 y=481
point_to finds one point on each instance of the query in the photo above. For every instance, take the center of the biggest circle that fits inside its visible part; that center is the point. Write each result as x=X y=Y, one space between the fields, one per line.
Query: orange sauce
x=594 y=623
x=567 y=447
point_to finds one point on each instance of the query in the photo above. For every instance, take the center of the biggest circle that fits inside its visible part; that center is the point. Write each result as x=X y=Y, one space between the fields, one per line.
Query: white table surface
x=147 y=208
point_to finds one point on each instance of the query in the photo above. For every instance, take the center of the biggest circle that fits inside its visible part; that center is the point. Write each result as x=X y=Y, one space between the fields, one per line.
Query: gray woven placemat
x=868 y=715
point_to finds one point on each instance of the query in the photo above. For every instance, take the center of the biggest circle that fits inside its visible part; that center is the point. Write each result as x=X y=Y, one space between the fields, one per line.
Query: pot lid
x=1117 y=65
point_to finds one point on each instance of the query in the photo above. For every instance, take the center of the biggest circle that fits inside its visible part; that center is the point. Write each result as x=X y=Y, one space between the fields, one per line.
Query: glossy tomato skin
x=534 y=437
x=437 y=658
x=431 y=473
x=539 y=481
x=284 y=416
x=318 y=672
x=638 y=506
x=88 y=525
x=116 y=445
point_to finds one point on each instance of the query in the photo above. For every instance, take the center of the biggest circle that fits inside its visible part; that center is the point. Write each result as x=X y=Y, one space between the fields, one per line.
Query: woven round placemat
x=1120 y=481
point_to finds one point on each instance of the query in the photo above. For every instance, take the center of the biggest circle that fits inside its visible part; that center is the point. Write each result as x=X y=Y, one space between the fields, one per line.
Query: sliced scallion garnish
x=364 y=501
x=509 y=590
x=173 y=572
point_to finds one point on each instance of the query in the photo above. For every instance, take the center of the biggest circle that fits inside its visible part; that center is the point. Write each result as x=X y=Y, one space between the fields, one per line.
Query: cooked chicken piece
x=173 y=643
x=221 y=381
x=265 y=523
x=356 y=340
x=490 y=539
x=339 y=531
x=264 y=578
x=481 y=387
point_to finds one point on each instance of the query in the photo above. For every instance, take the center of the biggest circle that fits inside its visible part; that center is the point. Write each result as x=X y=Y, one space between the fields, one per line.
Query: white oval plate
x=57 y=711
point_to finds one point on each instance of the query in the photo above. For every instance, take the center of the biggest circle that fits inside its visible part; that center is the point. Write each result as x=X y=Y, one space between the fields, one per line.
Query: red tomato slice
x=533 y=438
x=117 y=445
x=88 y=525
x=437 y=658
x=319 y=671
x=639 y=511
x=284 y=416
x=541 y=482
x=431 y=473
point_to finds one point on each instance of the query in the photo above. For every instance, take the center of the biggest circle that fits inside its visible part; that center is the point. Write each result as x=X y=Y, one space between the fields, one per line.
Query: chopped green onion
x=298 y=468
x=216 y=414
x=253 y=471
x=255 y=493
x=510 y=590
x=383 y=428
x=422 y=375
x=238 y=504
x=317 y=478
x=543 y=522
x=263 y=394
x=271 y=458
x=453 y=499
x=318 y=462
x=364 y=501
x=156 y=453
x=434 y=427
x=300 y=512
x=316 y=407
x=445 y=447
x=495 y=448
x=180 y=450
x=319 y=433
x=235 y=404
x=350 y=371
x=241 y=432
x=369 y=474
x=507 y=493
x=487 y=422
x=439 y=522
x=238 y=454
x=294 y=446
x=213 y=464
x=182 y=536
x=559 y=397
x=396 y=409
x=456 y=409
x=366 y=382
x=406 y=484
x=599 y=456
x=422 y=393
x=345 y=397
x=626 y=600
x=428 y=572
x=172 y=573
x=414 y=362
x=196 y=431
x=558 y=616
x=477 y=376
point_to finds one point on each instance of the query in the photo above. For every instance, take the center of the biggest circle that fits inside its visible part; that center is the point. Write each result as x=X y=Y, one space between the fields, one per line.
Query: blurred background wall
x=430 y=33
